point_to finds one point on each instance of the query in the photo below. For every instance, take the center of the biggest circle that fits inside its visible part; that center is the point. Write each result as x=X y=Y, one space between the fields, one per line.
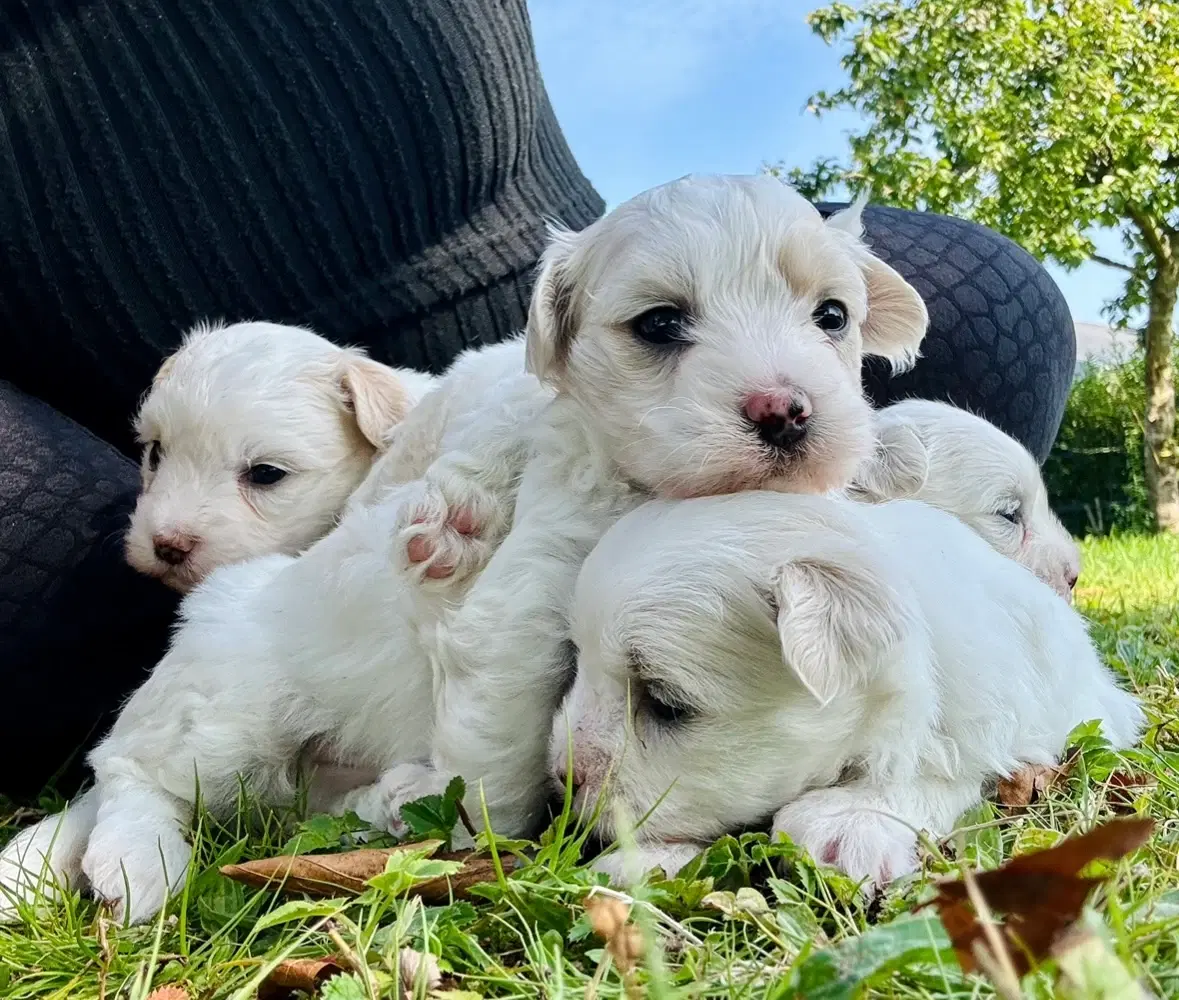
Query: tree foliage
x=1041 y=118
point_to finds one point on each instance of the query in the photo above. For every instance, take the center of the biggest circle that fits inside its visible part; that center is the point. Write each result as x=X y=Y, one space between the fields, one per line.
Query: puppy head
x=964 y=465
x=715 y=674
x=253 y=437
x=713 y=331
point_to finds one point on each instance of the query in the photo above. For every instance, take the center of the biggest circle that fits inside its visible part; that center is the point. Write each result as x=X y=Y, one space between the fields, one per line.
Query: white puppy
x=323 y=659
x=253 y=437
x=966 y=466
x=705 y=337
x=856 y=672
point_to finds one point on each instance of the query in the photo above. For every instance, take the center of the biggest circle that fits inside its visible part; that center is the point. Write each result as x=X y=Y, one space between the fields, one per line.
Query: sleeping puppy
x=254 y=435
x=856 y=672
x=964 y=465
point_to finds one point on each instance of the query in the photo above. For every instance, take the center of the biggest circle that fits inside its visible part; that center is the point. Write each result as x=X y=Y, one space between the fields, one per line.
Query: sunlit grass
x=528 y=936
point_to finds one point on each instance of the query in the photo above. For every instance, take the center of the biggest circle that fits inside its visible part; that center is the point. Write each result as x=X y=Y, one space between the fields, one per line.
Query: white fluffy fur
x=962 y=464
x=747 y=261
x=332 y=648
x=855 y=671
x=322 y=660
x=238 y=396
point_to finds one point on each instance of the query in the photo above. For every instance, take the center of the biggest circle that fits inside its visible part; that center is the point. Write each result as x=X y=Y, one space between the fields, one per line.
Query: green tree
x=1044 y=119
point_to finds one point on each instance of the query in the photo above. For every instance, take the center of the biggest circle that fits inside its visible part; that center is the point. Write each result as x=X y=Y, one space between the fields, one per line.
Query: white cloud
x=645 y=54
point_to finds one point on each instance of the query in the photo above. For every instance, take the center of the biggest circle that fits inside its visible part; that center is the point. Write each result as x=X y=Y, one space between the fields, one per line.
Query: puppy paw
x=852 y=832
x=448 y=531
x=135 y=866
x=44 y=861
x=379 y=804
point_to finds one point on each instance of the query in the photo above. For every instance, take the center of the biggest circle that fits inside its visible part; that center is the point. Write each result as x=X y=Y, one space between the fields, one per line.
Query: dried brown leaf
x=1040 y=895
x=305 y=975
x=1123 y=787
x=332 y=874
x=1030 y=783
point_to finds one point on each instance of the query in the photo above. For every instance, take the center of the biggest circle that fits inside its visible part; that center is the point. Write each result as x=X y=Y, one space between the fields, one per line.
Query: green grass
x=527 y=935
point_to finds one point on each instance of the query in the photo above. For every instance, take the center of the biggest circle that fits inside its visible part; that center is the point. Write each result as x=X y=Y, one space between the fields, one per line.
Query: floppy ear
x=375 y=395
x=897 y=469
x=552 y=313
x=836 y=620
x=850 y=219
x=897 y=317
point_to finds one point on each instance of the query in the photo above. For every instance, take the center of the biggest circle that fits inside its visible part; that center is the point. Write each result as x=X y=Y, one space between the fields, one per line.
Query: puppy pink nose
x=779 y=416
x=173 y=548
x=587 y=768
x=574 y=774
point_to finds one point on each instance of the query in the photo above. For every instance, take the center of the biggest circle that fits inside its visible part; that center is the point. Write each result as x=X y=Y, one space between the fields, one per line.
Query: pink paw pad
x=422 y=548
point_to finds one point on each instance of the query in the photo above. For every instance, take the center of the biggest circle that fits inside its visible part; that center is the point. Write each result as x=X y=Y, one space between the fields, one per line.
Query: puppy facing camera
x=966 y=466
x=705 y=337
x=254 y=435
x=715 y=327
x=855 y=671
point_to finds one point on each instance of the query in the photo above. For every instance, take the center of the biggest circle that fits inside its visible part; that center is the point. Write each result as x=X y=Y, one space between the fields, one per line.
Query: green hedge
x=1094 y=474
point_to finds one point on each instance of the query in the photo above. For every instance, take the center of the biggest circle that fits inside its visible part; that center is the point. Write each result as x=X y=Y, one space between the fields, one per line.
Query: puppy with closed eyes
x=847 y=673
x=254 y=436
x=705 y=337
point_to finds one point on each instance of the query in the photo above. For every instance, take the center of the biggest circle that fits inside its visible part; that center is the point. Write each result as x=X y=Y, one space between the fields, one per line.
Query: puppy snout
x=779 y=416
x=562 y=771
x=173 y=548
x=586 y=769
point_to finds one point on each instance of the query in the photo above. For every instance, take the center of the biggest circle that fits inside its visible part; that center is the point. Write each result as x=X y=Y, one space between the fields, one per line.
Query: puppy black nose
x=173 y=549
x=779 y=417
x=782 y=432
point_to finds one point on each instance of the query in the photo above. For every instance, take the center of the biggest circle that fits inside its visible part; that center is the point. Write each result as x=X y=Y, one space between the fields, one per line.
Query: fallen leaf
x=171 y=992
x=1124 y=787
x=305 y=975
x=1040 y=895
x=1030 y=783
x=332 y=874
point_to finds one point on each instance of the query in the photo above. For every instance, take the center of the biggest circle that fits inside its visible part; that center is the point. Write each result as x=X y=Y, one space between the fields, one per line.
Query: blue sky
x=649 y=90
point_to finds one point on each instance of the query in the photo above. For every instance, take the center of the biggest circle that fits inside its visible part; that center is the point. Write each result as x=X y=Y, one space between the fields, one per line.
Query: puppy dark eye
x=661 y=326
x=264 y=475
x=155 y=452
x=830 y=316
x=666 y=709
x=1011 y=513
